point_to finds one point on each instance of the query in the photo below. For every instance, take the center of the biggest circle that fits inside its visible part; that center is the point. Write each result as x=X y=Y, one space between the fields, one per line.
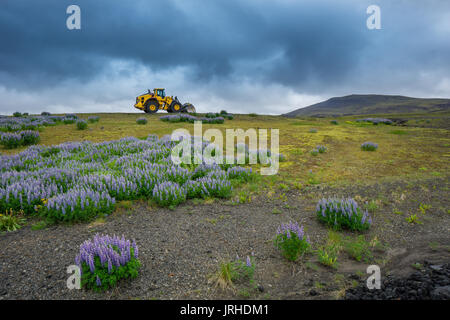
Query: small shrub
x=141 y=120
x=17 y=114
x=343 y=213
x=45 y=113
x=82 y=125
x=223 y=112
x=369 y=146
x=253 y=115
x=334 y=122
x=291 y=241
x=105 y=260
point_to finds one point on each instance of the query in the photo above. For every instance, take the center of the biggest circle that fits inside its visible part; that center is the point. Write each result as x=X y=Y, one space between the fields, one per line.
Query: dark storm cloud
x=311 y=47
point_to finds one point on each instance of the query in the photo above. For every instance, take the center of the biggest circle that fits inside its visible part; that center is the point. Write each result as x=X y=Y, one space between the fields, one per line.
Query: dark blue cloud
x=311 y=47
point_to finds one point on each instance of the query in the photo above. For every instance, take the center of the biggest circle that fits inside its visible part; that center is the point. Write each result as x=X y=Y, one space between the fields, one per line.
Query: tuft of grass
x=327 y=256
x=231 y=272
x=125 y=204
x=417 y=266
x=372 y=206
x=398 y=132
x=328 y=253
x=413 y=219
x=11 y=221
x=297 y=152
x=424 y=208
x=39 y=225
x=276 y=211
x=359 y=249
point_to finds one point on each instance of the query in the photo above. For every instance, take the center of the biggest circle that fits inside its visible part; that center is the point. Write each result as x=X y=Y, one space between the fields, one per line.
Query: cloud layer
x=243 y=56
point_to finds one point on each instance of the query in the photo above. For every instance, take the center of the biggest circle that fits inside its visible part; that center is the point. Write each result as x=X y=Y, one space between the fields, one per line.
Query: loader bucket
x=189 y=108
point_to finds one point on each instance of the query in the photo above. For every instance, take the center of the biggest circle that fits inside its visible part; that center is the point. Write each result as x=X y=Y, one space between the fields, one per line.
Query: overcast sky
x=240 y=55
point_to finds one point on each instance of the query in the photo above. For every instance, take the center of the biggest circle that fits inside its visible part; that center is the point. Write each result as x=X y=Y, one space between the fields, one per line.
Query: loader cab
x=160 y=93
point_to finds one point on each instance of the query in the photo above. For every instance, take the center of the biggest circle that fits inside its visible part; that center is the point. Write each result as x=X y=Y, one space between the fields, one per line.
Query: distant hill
x=359 y=104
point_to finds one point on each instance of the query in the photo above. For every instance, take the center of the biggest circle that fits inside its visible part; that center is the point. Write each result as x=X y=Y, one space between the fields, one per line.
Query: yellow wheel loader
x=151 y=102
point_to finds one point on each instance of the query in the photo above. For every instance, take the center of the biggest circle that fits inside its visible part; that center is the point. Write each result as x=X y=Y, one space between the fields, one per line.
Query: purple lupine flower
x=98 y=281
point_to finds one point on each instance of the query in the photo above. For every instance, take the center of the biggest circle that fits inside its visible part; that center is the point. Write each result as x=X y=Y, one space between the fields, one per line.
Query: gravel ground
x=180 y=248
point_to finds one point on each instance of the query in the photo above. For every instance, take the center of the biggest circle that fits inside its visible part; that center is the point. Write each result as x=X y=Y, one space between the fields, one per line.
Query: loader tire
x=175 y=107
x=152 y=106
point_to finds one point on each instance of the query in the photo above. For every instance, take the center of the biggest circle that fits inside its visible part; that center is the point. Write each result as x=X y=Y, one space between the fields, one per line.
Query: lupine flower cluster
x=169 y=193
x=93 y=119
x=321 y=149
x=318 y=149
x=81 y=124
x=239 y=173
x=189 y=118
x=343 y=213
x=141 y=120
x=369 y=146
x=70 y=118
x=242 y=269
x=12 y=124
x=106 y=259
x=375 y=121
x=22 y=138
x=291 y=240
x=262 y=156
x=82 y=180
x=78 y=204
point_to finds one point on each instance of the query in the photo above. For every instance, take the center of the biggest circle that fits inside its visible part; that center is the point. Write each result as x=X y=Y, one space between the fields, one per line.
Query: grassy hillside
x=403 y=150
x=371 y=104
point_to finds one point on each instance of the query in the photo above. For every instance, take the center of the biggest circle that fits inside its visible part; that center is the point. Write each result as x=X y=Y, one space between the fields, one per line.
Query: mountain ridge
x=361 y=104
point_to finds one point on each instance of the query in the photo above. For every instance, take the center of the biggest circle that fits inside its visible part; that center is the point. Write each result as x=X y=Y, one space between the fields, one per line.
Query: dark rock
x=432 y=283
x=260 y=288
x=441 y=293
x=313 y=292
